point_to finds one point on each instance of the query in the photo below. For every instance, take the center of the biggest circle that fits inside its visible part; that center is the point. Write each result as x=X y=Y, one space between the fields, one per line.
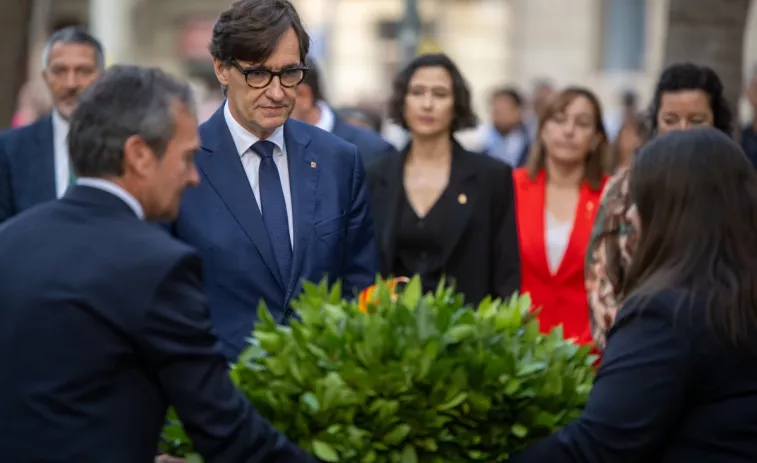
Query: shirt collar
x=115 y=190
x=243 y=139
x=326 y=122
x=60 y=125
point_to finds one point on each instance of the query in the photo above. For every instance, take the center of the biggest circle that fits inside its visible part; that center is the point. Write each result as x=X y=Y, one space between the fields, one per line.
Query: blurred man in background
x=507 y=139
x=34 y=164
x=311 y=107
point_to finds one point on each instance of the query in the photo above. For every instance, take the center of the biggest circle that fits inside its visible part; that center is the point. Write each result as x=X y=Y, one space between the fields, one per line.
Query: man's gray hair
x=126 y=101
x=73 y=35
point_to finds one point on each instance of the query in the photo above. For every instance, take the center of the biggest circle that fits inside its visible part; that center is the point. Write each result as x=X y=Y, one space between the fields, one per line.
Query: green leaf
x=310 y=401
x=193 y=458
x=457 y=400
x=324 y=451
x=412 y=292
x=519 y=430
x=409 y=455
x=398 y=434
x=427 y=359
x=459 y=333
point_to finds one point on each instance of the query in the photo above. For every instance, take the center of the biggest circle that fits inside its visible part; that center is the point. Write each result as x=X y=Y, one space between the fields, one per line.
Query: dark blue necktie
x=273 y=207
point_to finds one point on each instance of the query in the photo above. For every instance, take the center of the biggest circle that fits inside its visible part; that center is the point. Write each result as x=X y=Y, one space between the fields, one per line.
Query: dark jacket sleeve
x=361 y=262
x=7 y=204
x=180 y=348
x=506 y=260
x=639 y=393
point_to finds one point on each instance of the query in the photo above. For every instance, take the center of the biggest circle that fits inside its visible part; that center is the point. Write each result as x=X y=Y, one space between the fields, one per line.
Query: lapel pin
x=462 y=199
x=590 y=206
x=312 y=164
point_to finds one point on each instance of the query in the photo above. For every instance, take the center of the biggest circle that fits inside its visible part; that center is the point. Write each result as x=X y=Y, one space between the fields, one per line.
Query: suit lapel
x=459 y=199
x=530 y=196
x=223 y=168
x=44 y=161
x=579 y=234
x=388 y=196
x=304 y=174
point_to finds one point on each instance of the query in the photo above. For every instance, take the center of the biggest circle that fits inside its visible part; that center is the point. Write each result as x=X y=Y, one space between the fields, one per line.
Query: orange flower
x=368 y=294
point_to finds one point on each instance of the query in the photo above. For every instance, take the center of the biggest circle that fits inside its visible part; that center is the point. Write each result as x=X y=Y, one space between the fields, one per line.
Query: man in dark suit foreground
x=102 y=320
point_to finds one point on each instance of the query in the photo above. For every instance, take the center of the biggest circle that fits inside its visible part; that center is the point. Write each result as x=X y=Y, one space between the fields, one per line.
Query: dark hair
x=250 y=30
x=688 y=76
x=464 y=117
x=508 y=92
x=73 y=35
x=125 y=101
x=696 y=195
x=596 y=159
x=313 y=79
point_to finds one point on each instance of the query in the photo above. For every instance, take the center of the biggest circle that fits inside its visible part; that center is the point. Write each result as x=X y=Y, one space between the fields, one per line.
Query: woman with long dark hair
x=687 y=96
x=678 y=381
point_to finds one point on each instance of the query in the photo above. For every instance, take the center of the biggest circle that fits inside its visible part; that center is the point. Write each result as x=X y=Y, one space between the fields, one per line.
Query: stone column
x=111 y=21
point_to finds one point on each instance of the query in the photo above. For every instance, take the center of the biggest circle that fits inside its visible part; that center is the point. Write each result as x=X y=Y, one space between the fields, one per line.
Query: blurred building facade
x=607 y=45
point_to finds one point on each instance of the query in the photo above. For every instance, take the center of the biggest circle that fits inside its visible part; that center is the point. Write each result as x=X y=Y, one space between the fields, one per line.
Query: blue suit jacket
x=103 y=324
x=27 y=167
x=333 y=227
x=371 y=146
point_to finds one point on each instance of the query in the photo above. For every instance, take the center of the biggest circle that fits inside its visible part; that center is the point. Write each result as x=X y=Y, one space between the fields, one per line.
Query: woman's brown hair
x=594 y=172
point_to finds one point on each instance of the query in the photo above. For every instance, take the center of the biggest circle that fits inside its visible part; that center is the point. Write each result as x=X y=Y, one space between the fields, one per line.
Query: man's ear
x=221 y=71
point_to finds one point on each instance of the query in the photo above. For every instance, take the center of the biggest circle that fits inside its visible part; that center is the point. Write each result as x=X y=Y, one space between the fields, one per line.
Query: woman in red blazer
x=557 y=195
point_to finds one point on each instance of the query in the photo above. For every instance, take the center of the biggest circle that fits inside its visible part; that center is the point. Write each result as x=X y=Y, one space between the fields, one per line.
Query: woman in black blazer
x=439 y=210
x=678 y=380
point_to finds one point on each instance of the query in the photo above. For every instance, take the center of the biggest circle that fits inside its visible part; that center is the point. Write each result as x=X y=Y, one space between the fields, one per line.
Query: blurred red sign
x=194 y=38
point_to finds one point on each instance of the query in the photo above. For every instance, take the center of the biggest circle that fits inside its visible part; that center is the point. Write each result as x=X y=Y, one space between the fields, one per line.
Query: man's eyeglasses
x=261 y=78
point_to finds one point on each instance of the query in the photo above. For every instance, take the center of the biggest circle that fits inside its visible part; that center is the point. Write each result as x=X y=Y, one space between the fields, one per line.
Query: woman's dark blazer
x=480 y=239
x=669 y=390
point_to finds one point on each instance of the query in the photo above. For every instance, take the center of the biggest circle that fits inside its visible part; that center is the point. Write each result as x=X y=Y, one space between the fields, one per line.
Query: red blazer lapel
x=530 y=203
x=530 y=196
x=586 y=211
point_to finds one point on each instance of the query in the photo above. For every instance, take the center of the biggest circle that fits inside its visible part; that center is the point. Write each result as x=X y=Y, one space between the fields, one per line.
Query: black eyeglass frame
x=271 y=74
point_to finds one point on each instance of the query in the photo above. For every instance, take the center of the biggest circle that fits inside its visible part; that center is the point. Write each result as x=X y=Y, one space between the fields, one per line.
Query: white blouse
x=557 y=237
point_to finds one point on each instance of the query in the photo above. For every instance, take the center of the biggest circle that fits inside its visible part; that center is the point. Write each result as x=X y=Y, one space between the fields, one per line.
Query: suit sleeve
x=180 y=348
x=7 y=208
x=361 y=263
x=506 y=260
x=638 y=396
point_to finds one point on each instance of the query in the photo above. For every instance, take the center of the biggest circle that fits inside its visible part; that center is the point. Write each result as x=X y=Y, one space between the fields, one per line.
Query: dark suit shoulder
x=385 y=166
x=15 y=135
x=132 y=243
x=319 y=136
x=489 y=164
x=360 y=134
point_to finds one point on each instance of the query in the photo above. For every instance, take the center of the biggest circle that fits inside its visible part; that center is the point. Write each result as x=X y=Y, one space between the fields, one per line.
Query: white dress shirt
x=115 y=190
x=326 y=121
x=243 y=140
x=60 y=150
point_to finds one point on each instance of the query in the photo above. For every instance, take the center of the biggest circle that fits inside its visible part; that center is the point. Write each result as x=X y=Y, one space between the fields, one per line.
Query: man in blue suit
x=34 y=165
x=103 y=323
x=280 y=201
x=311 y=107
